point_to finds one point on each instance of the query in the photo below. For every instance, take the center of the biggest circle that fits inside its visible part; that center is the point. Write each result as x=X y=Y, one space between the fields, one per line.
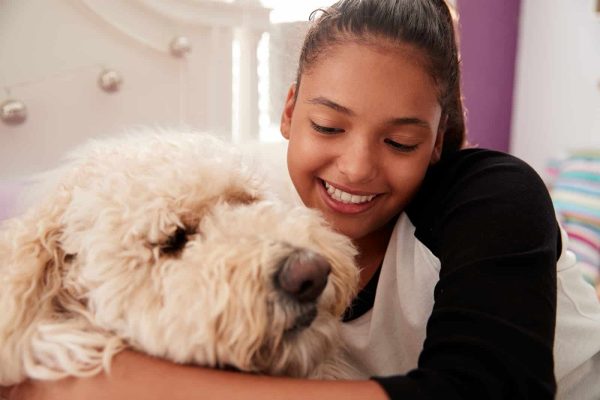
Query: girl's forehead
x=369 y=67
x=355 y=52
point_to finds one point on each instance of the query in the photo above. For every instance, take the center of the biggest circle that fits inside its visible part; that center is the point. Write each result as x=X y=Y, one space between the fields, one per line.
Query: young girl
x=459 y=249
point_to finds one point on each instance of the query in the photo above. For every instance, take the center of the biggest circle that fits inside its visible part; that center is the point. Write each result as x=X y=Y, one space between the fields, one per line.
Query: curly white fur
x=84 y=273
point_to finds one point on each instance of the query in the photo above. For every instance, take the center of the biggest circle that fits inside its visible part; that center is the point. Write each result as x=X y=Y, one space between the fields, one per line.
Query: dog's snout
x=303 y=275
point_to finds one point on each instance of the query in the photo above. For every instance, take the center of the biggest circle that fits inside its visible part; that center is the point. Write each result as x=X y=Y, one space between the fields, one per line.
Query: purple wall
x=488 y=44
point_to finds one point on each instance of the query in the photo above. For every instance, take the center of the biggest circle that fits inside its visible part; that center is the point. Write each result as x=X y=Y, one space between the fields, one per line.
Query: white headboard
x=53 y=52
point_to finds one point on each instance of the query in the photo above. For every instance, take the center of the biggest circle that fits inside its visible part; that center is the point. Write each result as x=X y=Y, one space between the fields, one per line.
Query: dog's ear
x=30 y=266
x=36 y=308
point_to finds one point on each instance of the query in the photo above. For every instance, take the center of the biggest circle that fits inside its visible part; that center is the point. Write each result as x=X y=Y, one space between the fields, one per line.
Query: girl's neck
x=371 y=250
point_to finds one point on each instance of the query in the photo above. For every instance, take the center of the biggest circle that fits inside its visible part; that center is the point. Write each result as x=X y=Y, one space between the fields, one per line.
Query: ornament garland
x=110 y=80
x=14 y=111
x=178 y=47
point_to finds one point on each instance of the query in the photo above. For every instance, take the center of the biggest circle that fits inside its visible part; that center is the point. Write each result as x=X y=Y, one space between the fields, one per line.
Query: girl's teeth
x=344 y=197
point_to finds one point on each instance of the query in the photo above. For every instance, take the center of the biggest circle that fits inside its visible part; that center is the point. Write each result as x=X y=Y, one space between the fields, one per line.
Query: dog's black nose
x=303 y=275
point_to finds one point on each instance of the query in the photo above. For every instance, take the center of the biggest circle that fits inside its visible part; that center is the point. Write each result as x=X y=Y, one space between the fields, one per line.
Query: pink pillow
x=9 y=192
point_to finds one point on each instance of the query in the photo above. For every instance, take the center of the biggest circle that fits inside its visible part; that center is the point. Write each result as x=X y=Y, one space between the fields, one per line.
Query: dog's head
x=171 y=244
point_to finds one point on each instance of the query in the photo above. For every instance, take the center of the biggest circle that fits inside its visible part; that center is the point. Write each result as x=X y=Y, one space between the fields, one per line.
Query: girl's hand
x=137 y=376
x=5 y=393
x=38 y=390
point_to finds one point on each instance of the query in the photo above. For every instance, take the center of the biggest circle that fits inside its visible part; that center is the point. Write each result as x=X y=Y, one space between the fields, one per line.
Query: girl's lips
x=344 y=208
x=347 y=190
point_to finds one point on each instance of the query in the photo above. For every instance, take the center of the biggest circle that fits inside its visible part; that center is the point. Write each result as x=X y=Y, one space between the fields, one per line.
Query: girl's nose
x=358 y=163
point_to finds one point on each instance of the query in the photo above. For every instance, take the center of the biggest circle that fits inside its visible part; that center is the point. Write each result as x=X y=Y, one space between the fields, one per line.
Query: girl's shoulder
x=472 y=173
x=456 y=168
x=487 y=199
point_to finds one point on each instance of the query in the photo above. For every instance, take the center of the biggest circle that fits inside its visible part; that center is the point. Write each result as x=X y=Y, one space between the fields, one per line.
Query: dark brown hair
x=426 y=25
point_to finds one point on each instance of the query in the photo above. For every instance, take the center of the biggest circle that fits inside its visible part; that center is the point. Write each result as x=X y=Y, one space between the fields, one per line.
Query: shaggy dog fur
x=170 y=245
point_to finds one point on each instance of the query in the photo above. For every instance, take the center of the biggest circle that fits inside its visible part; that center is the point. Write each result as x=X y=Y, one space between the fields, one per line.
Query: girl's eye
x=405 y=148
x=325 y=129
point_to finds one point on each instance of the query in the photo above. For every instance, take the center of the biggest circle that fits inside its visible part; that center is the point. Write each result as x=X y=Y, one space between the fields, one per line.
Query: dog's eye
x=175 y=243
x=69 y=258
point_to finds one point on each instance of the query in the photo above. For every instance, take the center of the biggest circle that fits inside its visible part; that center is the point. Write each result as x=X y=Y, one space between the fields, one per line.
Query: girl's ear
x=288 y=110
x=436 y=155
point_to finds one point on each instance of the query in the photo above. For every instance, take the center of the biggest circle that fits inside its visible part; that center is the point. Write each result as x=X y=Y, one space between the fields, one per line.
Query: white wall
x=285 y=46
x=52 y=51
x=557 y=93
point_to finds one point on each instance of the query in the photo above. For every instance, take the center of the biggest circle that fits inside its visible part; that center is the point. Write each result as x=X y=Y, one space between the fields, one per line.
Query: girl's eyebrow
x=331 y=104
x=320 y=100
x=408 y=121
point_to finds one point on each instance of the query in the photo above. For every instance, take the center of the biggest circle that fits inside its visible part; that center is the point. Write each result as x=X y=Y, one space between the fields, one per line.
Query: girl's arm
x=136 y=376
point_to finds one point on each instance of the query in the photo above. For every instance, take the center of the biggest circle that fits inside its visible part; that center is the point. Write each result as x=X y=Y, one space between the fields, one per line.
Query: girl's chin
x=363 y=231
x=353 y=228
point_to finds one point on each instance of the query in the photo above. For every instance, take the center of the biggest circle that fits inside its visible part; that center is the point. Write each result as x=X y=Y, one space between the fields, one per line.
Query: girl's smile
x=346 y=201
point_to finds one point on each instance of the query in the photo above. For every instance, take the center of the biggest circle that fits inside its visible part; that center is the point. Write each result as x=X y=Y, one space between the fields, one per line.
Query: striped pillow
x=576 y=196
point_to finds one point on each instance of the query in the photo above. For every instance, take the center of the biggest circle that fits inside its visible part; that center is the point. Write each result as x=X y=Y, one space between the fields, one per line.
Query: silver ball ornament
x=13 y=112
x=180 y=46
x=110 y=80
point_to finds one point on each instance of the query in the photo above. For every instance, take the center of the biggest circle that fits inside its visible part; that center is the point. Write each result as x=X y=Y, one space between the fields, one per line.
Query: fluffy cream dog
x=169 y=244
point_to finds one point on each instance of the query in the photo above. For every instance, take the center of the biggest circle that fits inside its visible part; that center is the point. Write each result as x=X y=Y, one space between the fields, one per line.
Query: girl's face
x=363 y=130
